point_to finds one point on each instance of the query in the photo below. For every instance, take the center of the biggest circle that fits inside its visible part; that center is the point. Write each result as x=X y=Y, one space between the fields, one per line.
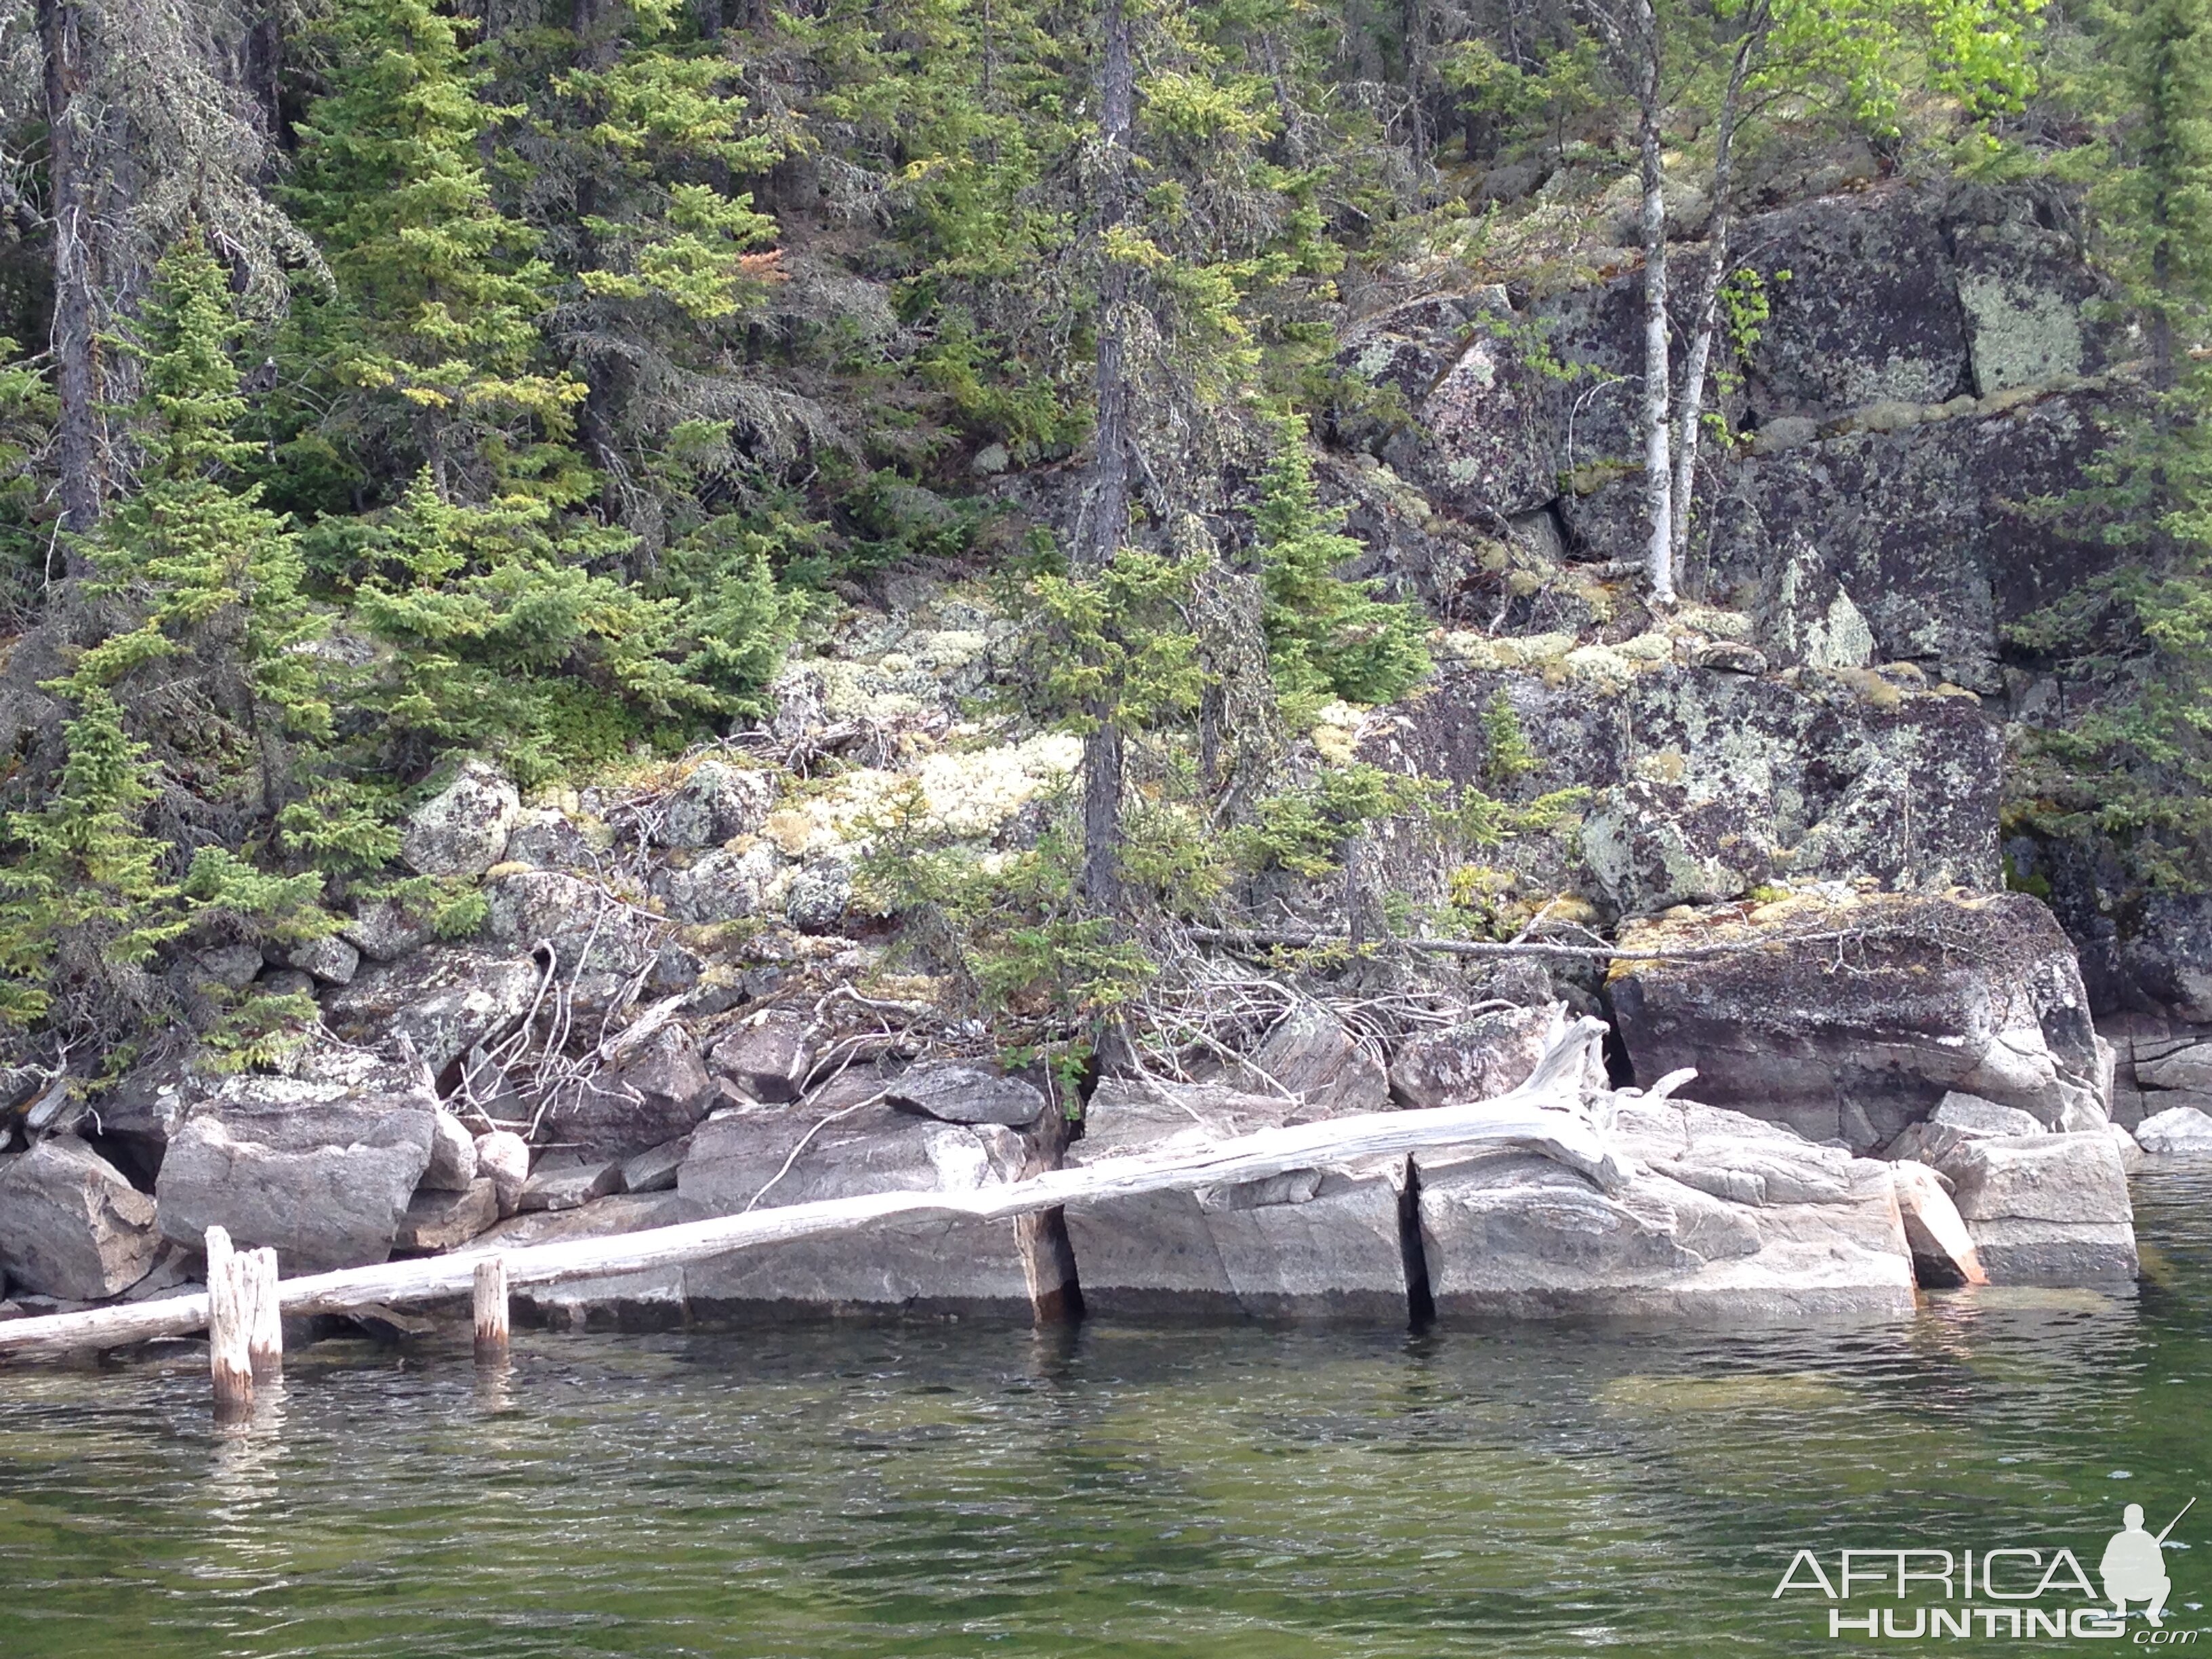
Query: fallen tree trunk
x=1545 y=1114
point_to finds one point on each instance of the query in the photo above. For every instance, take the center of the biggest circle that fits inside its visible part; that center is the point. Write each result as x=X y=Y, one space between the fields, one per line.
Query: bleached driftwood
x=1546 y=1114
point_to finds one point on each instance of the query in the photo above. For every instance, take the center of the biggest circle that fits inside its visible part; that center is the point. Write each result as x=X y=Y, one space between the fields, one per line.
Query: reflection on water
x=936 y=1489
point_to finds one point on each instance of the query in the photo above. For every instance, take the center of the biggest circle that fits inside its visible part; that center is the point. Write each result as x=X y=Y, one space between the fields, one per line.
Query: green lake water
x=923 y=1489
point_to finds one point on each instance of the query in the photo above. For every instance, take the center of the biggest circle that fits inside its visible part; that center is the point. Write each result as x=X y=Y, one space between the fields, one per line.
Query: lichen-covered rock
x=715 y=804
x=1477 y=1060
x=329 y=958
x=525 y=907
x=1319 y=1243
x=1705 y=786
x=551 y=840
x=1856 y=1034
x=462 y=830
x=70 y=1225
x=321 y=1167
x=384 y=931
x=444 y=1002
x=947 y=1263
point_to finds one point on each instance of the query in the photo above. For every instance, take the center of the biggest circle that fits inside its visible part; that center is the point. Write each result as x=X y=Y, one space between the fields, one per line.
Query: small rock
x=462 y=830
x=954 y=1092
x=329 y=958
x=717 y=803
x=767 y=1058
x=286 y=982
x=1729 y=657
x=452 y=1157
x=443 y=1220
x=654 y=1171
x=564 y=1182
x=674 y=969
x=70 y=1225
x=503 y=1158
x=2177 y=1132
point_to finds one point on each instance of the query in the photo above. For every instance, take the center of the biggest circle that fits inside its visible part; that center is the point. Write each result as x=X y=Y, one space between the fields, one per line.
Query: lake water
x=955 y=1489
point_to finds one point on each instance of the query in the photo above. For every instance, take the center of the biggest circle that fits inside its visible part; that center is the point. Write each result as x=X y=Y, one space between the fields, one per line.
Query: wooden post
x=491 y=1311
x=230 y=1310
x=265 y=1341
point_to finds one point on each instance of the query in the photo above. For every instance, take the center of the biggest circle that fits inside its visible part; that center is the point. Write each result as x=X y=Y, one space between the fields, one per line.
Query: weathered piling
x=265 y=1340
x=491 y=1311
x=230 y=1312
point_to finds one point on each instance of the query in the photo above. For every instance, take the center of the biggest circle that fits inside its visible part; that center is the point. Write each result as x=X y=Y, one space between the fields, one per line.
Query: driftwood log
x=1546 y=1114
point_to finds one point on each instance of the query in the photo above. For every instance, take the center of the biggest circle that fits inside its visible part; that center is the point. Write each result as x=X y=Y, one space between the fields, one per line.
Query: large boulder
x=767 y=1055
x=462 y=830
x=443 y=1002
x=769 y=1157
x=955 y=1091
x=1478 y=1059
x=591 y=931
x=320 y=1166
x=1323 y=1242
x=70 y=1225
x=1850 y=1020
x=716 y=803
x=2046 y=1209
x=2177 y=1132
x=1727 y=1219
x=1313 y=1058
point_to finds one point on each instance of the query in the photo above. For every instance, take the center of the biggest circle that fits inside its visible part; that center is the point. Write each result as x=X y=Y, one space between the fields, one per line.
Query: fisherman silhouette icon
x=2134 y=1565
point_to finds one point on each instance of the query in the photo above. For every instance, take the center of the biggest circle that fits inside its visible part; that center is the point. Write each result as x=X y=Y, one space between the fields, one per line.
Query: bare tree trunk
x=1658 y=474
x=77 y=371
x=1706 y=310
x=1110 y=495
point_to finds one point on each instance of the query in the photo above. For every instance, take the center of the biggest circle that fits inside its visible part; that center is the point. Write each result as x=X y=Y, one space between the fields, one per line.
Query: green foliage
x=1327 y=637
x=1304 y=830
x=1120 y=645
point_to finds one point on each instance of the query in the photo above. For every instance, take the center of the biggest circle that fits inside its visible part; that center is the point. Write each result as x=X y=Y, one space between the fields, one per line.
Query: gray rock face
x=717 y=803
x=70 y=1225
x=1934 y=995
x=1765 y=1226
x=1311 y=1056
x=548 y=840
x=817 y=896
x=727 y=884
x=2189 y=1067
x=1313 y=1244
x=946 y=1264
x=1956 y=1119
x=444 y=1001
x=462 y=830
x=655 y=1169
x=953 y=1091
x=2177 y=1132
x=767 y=1057
x=320 y=1168
x=655 y=1091
x=1481 y=1060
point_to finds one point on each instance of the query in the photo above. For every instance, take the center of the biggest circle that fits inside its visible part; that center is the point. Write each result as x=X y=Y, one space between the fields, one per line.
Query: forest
x=384 y=382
